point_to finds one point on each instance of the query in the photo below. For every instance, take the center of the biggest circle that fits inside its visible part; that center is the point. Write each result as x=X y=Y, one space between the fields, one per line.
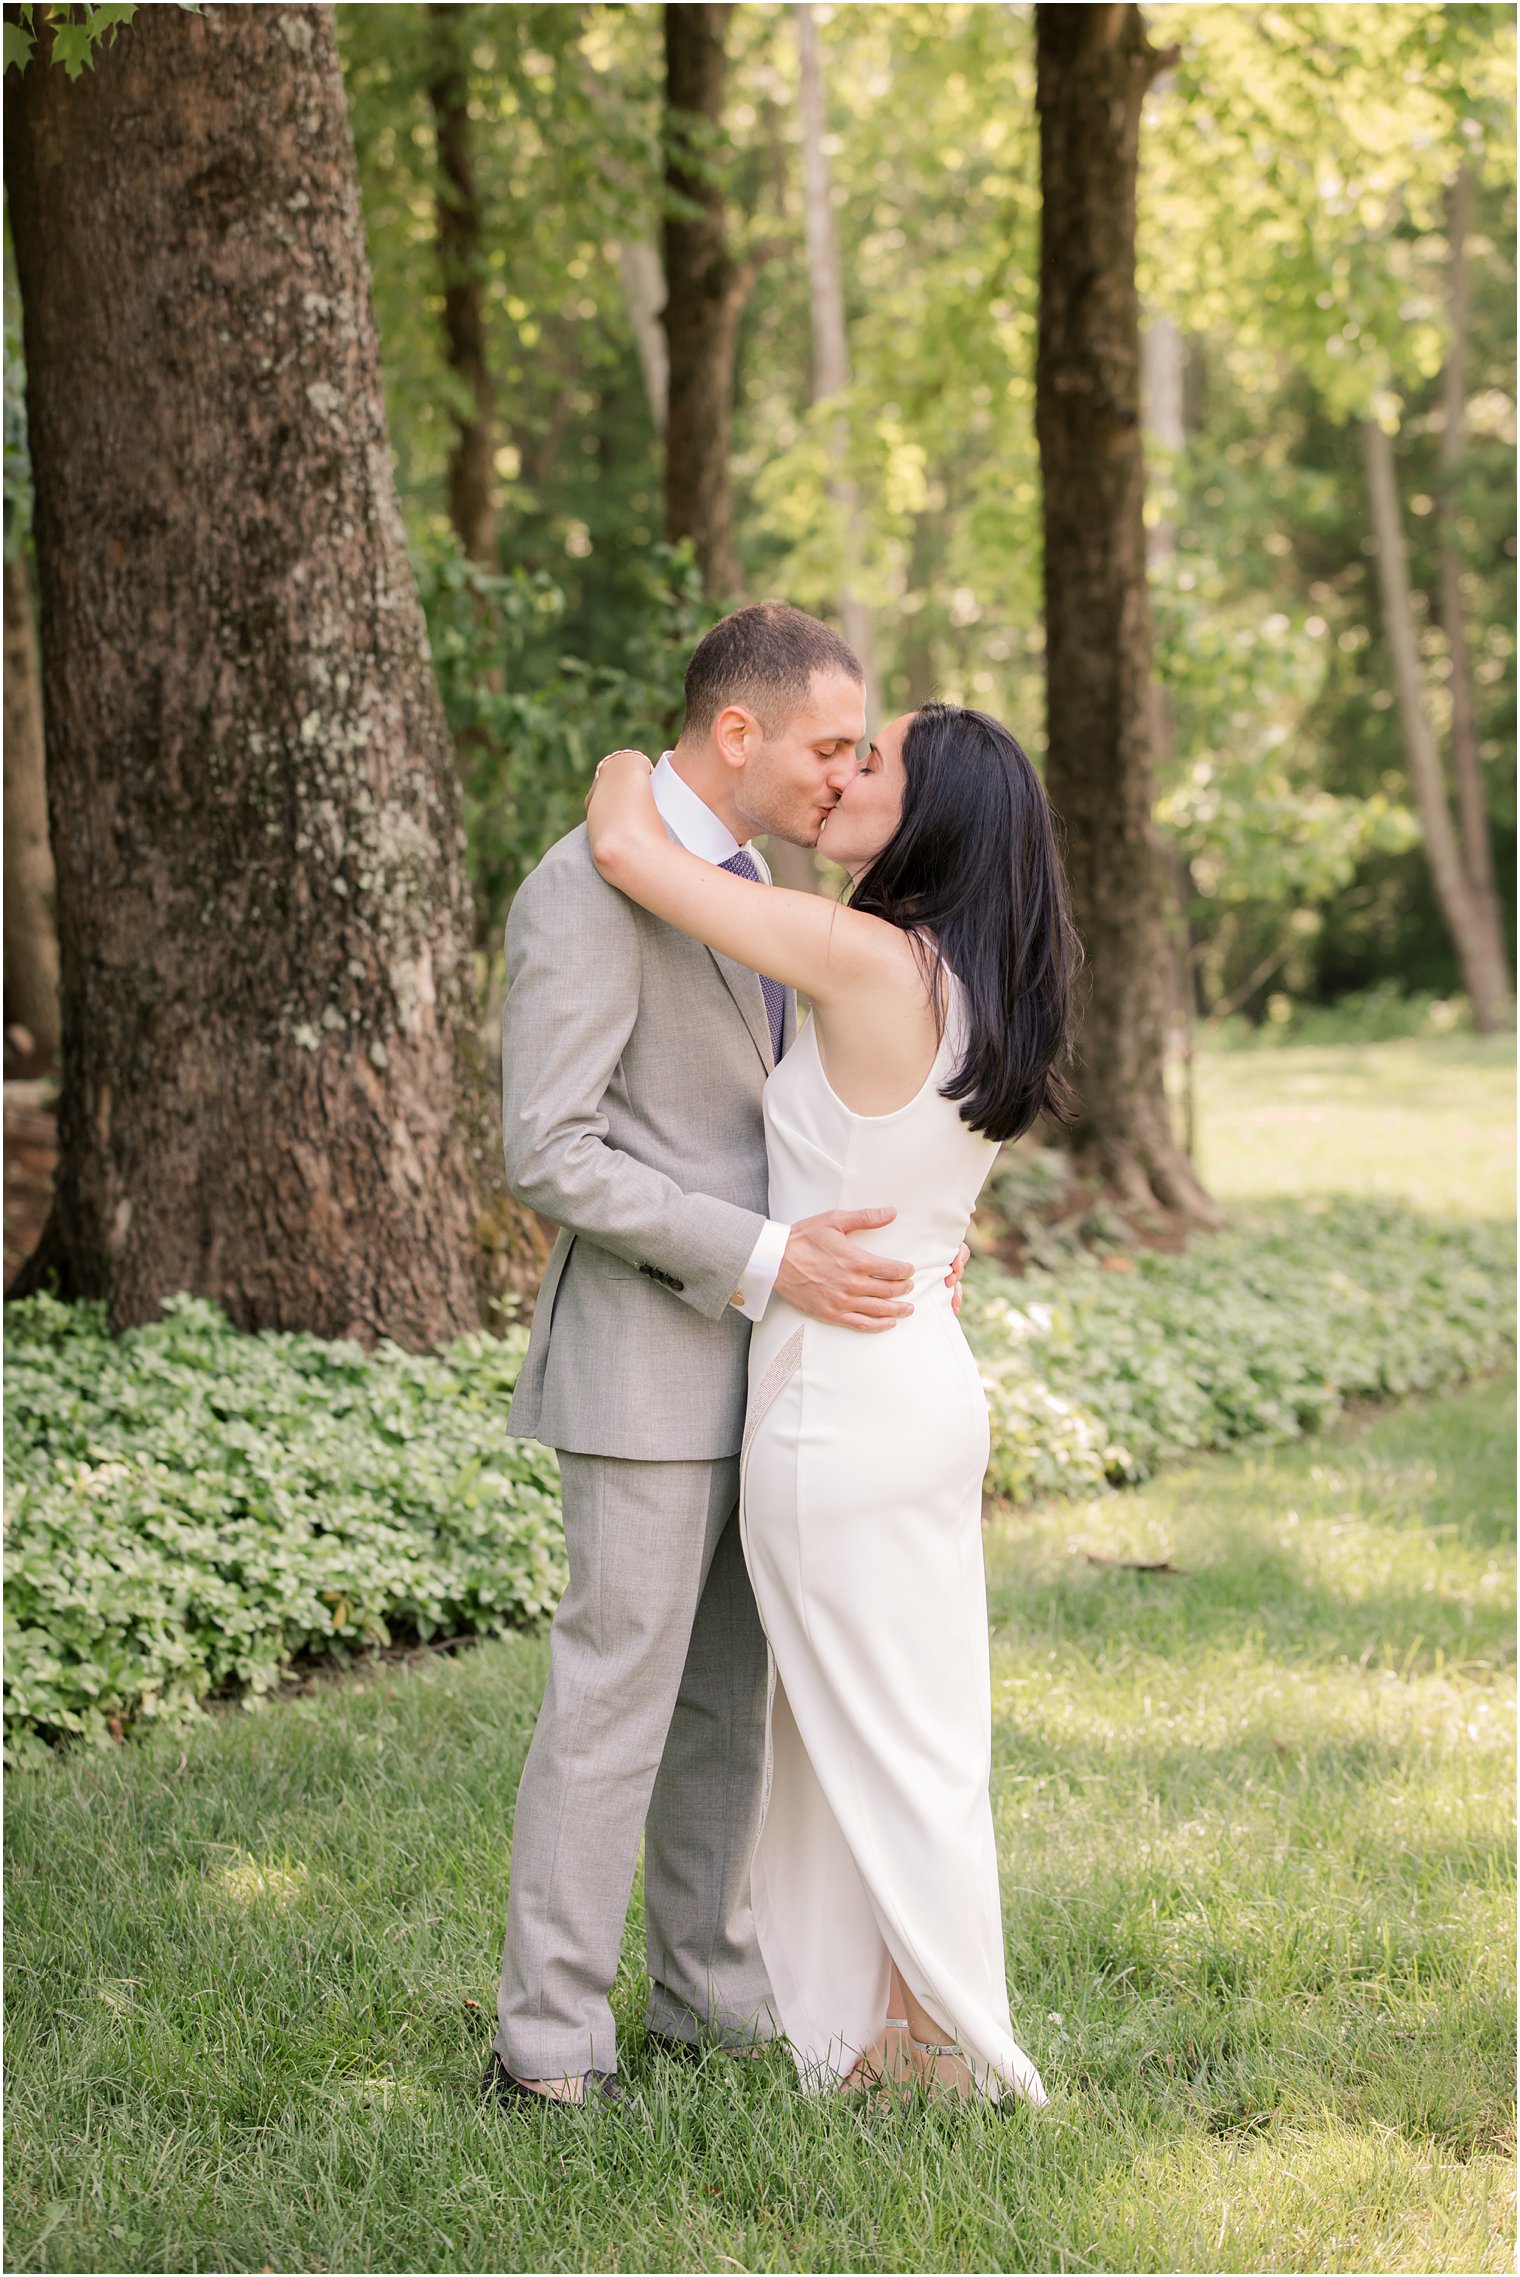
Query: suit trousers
x=653 y=1720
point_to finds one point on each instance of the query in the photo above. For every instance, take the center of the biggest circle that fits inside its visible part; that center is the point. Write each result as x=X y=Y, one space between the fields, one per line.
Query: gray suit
x=633 y=1061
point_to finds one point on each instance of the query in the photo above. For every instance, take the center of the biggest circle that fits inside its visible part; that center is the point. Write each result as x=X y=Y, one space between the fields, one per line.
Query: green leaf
x=19 y=42
x=73 y=45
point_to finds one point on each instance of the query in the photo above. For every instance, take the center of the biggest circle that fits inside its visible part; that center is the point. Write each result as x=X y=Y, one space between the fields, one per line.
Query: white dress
x=861 y=1519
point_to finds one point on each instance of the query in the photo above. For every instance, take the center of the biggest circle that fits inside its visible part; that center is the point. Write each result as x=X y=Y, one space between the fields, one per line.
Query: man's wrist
x=758 y=1279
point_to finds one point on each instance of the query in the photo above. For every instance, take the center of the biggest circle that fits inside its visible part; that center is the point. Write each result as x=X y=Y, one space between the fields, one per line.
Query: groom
x=633 y=1060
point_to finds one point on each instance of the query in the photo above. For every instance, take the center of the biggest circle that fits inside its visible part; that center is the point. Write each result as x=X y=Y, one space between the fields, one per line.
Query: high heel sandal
x=867 y=2078
x=1030 y=2091
x=929 y=2077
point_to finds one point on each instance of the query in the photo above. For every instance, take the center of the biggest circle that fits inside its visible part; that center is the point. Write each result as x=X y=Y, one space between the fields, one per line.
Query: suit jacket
x=633 y=1060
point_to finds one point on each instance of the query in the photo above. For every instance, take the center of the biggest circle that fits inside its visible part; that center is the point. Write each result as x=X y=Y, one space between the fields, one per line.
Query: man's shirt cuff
x=759 y=1276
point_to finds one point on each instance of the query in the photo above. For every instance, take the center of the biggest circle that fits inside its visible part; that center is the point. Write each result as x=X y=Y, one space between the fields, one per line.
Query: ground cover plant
x=191 y=1510
x=1254 y=1817
x=1107 y=1365
x=1254 y=1810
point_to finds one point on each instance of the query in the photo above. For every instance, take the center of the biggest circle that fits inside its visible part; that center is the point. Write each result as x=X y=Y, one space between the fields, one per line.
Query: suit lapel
x=744 y=988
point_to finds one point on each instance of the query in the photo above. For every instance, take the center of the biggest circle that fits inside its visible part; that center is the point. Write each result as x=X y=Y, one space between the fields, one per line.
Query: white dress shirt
x=700 y=832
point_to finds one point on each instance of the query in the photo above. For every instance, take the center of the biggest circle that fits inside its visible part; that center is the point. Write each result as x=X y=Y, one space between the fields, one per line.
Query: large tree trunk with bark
x=271 y=1088
x=472 y=467
x=1466 y=759
x=705 y=290
x=1093 y=65
x=831 y=349
x=1474 y=932
x=31 y=939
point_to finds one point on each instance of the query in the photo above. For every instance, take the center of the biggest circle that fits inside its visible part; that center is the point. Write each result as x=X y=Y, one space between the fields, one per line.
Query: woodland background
x=392 y=396
x=1294 y=682
x=1298 y=183
x=387 y=414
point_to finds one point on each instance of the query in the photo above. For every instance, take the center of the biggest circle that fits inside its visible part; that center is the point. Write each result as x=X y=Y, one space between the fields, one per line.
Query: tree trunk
x=831 y=352
x=472 y=467
x=705 y=295
x=641 y=272
x=31 y=938
x=643 y=282
x=1093 y=65
x=1475 y=936
x=271 y=1085
x=1466 y=762
x=1162 y=362
x=925 y=553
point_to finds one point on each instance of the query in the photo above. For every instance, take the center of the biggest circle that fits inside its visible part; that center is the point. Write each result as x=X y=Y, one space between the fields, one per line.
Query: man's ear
x=737 y=734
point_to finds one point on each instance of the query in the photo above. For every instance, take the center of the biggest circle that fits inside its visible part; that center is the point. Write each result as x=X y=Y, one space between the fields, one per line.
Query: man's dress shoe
x=599 y=2091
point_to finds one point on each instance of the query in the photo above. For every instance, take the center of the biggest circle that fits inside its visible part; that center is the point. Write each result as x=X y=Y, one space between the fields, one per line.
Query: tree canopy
x=1294 y=170
x=1297 y=166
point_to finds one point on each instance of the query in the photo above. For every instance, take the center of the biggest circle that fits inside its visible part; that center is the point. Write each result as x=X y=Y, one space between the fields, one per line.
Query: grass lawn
x=1255 y=1826
x=1255 y=1817
x=1430 y=1119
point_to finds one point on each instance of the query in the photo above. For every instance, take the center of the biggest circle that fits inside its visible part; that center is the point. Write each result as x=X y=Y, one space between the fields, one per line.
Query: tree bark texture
x=831 y=348
x=1093 y=65
x=1474 y=933
x=31 y=939
x=1466 y=760
x=472 y=467
x=271 y=1087
x=705 y=290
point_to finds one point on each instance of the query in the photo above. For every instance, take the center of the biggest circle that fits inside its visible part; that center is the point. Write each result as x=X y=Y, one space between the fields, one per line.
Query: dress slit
x=860 y=1515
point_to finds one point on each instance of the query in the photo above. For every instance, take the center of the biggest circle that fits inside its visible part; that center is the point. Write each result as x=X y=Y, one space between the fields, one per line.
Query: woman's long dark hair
x=974 y=871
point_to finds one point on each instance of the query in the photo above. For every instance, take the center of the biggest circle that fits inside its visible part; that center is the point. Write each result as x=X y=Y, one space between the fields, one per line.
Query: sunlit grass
x=1428 y=1119
x=1256 y=1828
x=1255 y=1825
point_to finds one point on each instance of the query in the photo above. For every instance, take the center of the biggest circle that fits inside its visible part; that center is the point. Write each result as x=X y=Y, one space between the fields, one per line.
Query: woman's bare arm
x=801 y=939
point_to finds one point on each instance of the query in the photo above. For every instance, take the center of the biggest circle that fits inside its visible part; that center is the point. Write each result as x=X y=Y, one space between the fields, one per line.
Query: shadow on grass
x=1258 y=1934
x=1367 y=1548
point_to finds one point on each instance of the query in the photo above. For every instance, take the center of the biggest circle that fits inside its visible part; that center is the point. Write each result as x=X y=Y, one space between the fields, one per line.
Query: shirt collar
x=689 y=816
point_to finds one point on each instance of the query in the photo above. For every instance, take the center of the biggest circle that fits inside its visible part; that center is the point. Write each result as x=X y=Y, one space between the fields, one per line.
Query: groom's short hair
x=763 y=657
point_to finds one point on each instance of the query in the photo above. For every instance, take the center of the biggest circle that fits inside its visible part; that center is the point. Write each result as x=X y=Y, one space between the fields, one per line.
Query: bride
x=941 y=1007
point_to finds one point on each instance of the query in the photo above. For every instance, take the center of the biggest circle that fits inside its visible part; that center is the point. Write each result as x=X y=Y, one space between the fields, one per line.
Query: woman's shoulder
x=901 y=977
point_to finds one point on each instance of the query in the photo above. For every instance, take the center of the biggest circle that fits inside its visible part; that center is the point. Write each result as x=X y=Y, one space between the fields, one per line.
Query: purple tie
x=743 y=866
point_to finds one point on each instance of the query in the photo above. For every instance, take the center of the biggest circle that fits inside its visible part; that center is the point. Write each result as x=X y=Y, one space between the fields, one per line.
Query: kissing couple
x=772 y=1658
